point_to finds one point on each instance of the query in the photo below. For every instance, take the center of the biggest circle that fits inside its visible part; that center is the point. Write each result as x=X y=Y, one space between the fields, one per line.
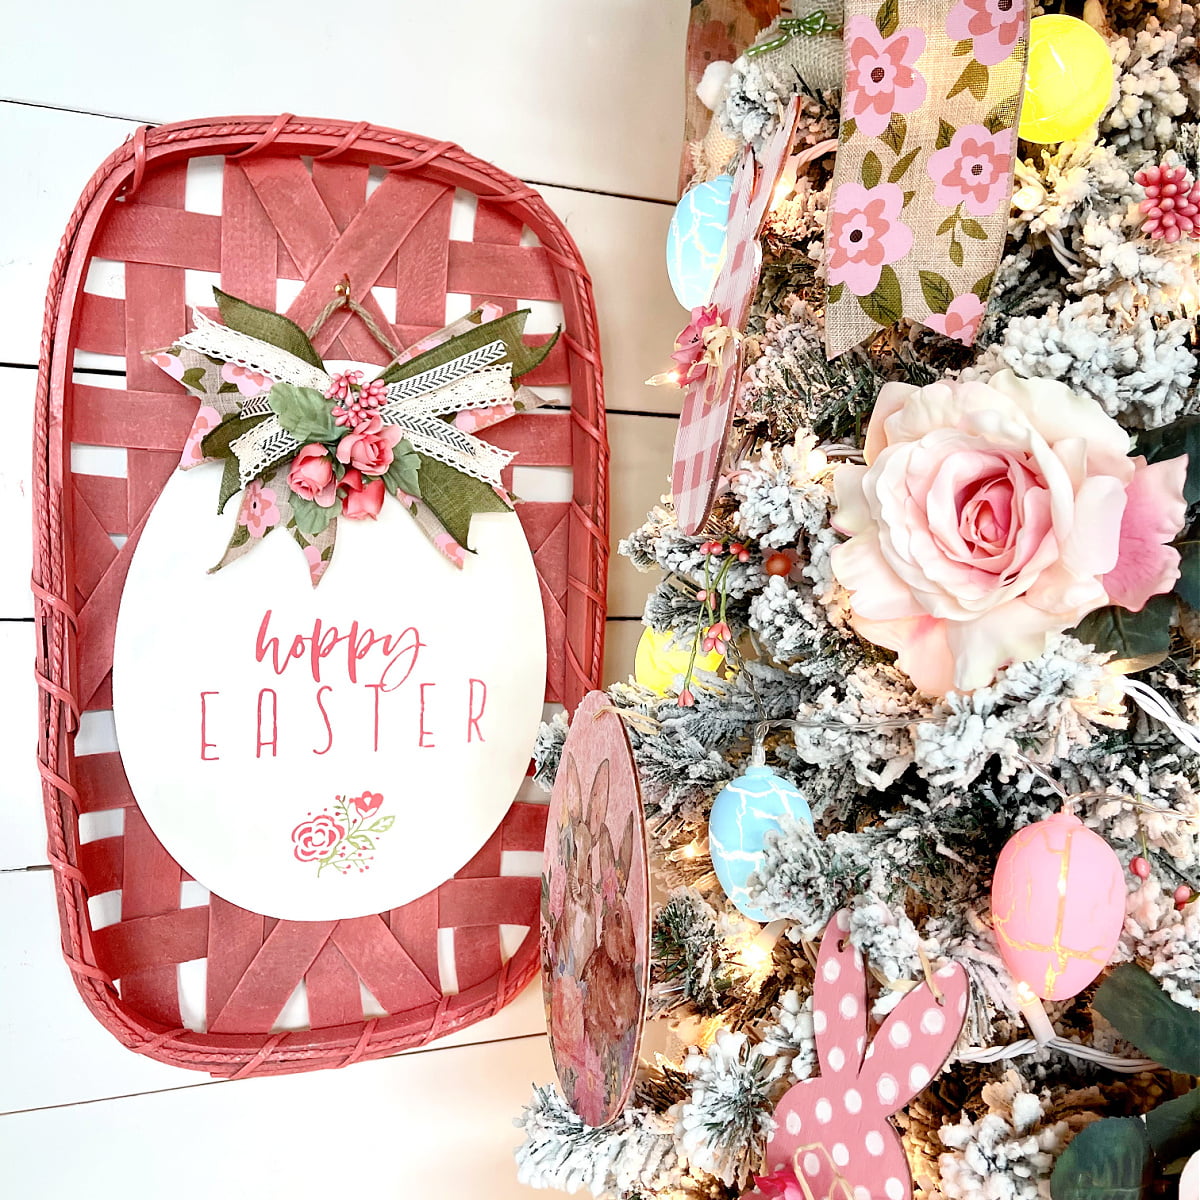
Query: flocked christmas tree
x=923 y=718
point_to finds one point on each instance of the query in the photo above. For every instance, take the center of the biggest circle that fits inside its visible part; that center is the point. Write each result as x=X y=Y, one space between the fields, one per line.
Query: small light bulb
x=691 y=850
x=754 y=957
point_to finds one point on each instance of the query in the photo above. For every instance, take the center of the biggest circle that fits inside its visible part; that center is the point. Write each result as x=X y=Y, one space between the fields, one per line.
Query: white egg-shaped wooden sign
x=330 y=752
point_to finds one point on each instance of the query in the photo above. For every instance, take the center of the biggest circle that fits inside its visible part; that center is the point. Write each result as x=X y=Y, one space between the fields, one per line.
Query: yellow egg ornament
x=661 y=662
x=1069 y=79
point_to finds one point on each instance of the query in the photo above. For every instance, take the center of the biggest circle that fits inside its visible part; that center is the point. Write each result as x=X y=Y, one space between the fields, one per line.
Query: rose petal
x=859 y=566
x=1010 y=633
x=1155 y=511
x=923 y=653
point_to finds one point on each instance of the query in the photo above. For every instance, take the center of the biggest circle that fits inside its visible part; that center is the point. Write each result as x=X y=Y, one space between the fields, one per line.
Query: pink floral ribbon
x=924 y=172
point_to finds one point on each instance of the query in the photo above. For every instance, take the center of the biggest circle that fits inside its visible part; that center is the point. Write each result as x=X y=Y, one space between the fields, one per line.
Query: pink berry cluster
x=1171 y=209
x=717 y=548
x=358 y=400
x=1183 y=895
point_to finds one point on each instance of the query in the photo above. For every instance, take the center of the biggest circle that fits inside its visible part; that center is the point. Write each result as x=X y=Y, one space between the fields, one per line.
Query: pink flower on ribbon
x=369 y=448
x=361 y=500
x=311 y=475
x=249 y=383
x=974 y=170
x=450 y=548
x=865 y=234
x=367 y=803
x=881 y=78
x=343 y=385
x=961 y=320
x=171 y=363
x=689 y=345
x=258 y=512
x=315 y=838
x=991 y=26
x=471 y=420
x=316 y=564
x=207 y=418
x=991 y=516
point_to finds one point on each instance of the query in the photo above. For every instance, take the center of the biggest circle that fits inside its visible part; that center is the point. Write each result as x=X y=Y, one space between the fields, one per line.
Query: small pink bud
x=1183 y=896
x=1140 y=867
x=686 y=699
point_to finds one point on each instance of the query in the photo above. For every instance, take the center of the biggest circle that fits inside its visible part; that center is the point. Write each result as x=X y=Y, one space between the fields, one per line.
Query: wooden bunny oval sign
x=834 y=1129
x=595 y=915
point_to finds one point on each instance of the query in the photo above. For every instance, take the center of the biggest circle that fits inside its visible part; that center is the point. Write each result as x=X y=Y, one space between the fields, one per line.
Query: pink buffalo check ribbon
x=709 y=399
x=923 y=180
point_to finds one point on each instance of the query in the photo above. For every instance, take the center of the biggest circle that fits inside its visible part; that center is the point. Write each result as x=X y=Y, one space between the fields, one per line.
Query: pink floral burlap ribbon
x=924 y=171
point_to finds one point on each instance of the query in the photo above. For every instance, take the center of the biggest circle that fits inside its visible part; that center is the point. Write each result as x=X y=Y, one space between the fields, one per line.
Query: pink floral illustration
x=313 y=839
x=472 y=420
x=865 y=234
x=450 y=548
x=960 y=320
x=258 y=512
x=311 y=475
x=316 y=564
x=881 y=76
x=360 y=499
x=973 y=170
x=992 y=515
x=342 y=839
x=171 y=363
x=207 y=418
x=249 y=383
x=992 y=26
x=369 y=448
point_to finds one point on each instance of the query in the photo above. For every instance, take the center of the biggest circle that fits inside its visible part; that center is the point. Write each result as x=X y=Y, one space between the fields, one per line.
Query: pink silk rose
x=779 y=1185
x=311 y=475
x=689 y=352
x=369 y=448
x=990 y=516
x=361 y=500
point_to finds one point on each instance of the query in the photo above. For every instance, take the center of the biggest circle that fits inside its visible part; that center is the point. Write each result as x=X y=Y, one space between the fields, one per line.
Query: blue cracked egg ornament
x=747 y=809
x=696 y=240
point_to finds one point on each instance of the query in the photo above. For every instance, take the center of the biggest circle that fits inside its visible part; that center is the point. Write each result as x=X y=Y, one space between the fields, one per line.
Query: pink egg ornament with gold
x=1058 y=905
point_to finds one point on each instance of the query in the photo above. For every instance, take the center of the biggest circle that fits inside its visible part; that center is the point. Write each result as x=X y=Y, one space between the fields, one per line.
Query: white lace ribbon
x=415 y=405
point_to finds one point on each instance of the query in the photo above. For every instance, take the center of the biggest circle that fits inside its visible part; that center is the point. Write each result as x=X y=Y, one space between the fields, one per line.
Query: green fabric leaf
x=267 y=326
x=901 y=168
x=885 y=304
x=948 y=224
x=1109 y=1160
x=509 y=329
x=938 y=293
x=888 y=17
x=1174 y=1127
x=963 y=47
x=836 y=292
x=945 y=136
x=403 y=474
x=454 y=497
x=909 y=197
x=872 y=169
x=239 y=537
x=312 y=518
x=1003 y=116
x=215 y=443
x=231 y=482
x=973 y=229
x=1188 y=586
x=1170 y=441
x=1142 y=1013
x=983 y=287
x=956 y=253
x=893 y=136
x=848 y=130
x=193 y=378
x=304 y=413
x=973 y=79
x=1137 y=640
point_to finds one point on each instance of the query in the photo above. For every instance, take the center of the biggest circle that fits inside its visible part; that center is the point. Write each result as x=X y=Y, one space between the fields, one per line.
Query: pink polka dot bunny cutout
x=833 y=1130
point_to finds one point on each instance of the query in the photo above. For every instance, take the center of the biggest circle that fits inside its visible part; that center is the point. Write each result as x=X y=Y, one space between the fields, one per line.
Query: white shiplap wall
x=582 y=98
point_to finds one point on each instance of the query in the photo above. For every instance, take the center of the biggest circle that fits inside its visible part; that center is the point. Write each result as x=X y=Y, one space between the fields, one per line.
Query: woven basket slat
x=279 y=221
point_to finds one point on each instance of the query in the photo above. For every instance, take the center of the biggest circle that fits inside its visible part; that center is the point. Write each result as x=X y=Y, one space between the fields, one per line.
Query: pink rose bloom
x=249 y=383
x=990 y=516
x=367 y=803
x=961 y=320
x=974 y=170
x=992 y=26
x=207 y=418
x=311 y=475
x=689 y=345
x=258 y=512
x=314 y=839
x=881 y=78
x=359 y=499
x=171 y=363
x=369 y=448
x=865 y=234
